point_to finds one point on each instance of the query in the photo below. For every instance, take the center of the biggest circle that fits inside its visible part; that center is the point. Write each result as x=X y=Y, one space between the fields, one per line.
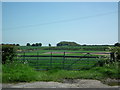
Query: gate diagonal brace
x=83 y=57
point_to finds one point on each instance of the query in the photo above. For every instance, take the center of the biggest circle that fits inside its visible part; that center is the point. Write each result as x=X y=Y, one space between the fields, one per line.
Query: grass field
x=82 y=48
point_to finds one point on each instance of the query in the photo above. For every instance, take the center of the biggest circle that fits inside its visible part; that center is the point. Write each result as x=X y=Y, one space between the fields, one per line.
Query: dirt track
x=66 y=84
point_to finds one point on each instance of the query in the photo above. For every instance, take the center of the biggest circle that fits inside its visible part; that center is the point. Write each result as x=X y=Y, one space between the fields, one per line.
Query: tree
x=37 y=44
x=40 y=44
x=12 y=44
x=117 y=44
x=28 y=44
x=84 y=45
x=17 y=45
x=33 y=44
x=49 y=45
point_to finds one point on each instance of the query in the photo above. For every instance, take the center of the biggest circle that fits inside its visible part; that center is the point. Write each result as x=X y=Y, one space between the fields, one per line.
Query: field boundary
x=63 y=61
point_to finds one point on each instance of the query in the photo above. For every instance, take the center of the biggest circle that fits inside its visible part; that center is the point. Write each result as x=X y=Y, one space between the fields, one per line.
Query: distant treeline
x=37 y=46
x=11 y=44
x=65 y=44
x=34 y=44
x=28 y=44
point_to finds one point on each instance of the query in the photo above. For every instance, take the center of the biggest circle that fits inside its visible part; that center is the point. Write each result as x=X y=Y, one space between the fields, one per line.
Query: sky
x=51 y=22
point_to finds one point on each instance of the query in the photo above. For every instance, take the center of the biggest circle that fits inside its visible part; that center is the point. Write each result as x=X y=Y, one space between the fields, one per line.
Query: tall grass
x=19 y=72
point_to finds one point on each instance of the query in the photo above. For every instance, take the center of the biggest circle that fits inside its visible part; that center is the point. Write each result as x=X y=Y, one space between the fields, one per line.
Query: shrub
x=8 y=53
x=116 y=53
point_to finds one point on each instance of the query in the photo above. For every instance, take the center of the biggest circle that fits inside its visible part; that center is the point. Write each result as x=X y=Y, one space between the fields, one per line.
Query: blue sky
x=50 y=22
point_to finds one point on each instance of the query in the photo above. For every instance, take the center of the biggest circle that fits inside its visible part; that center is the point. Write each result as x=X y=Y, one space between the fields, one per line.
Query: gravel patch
x=77 y=83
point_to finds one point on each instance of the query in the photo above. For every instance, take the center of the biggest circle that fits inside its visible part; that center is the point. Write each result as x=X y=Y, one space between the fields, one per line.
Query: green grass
x=16 y=72
x=98 y=73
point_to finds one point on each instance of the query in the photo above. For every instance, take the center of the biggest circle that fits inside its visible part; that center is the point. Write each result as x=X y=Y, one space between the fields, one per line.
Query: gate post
x=24 y=56
x=37 y=56
x=37 y=61
x=51 y=61
x=63 y=60
x=112 y=57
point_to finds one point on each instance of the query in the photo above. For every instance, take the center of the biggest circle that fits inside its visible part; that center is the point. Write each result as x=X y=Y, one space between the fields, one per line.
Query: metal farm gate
x=63 y=61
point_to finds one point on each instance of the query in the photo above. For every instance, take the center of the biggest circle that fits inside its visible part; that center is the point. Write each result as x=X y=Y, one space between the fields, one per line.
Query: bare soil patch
x=67 y=83
x=112 y=82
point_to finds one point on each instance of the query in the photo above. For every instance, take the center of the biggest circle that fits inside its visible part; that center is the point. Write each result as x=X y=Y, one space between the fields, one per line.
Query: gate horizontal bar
x=58 y=56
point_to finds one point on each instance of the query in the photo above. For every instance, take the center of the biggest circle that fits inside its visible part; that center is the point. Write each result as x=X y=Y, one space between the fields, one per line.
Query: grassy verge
x=16 y=72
